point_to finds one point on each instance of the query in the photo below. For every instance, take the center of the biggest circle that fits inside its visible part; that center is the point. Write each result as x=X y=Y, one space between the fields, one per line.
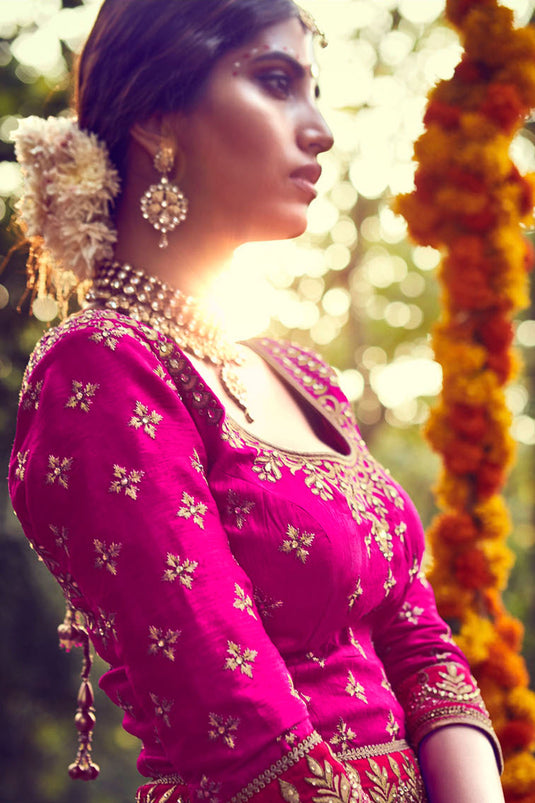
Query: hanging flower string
x=471 y=202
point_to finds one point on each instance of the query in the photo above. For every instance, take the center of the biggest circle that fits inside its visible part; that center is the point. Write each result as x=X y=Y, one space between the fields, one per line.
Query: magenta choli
x=269 y=630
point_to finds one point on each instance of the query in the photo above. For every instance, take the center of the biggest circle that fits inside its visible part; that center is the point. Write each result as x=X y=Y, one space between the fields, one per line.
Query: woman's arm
x=458 y=764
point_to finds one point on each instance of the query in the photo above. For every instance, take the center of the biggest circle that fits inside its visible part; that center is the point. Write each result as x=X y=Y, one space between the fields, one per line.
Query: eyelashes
x=278 y=84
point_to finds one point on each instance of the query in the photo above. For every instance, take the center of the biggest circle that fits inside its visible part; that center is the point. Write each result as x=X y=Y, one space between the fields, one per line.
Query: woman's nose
x=314 y=134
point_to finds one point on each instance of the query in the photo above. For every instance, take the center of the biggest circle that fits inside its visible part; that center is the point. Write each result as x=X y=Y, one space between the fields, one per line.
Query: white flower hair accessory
x=69 y=187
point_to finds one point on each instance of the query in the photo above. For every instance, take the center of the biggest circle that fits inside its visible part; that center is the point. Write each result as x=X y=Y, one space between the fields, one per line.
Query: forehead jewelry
x=164 y=205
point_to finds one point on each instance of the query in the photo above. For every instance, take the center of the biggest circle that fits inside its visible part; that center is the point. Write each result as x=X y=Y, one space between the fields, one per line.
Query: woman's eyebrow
x=299 y=69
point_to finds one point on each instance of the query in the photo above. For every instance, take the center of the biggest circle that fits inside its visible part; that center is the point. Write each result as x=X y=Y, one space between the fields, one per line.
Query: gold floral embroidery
x=268 y=466
x=31 y=395
x=22 y=459
x=385 y=683
x=297 y=542
x=395 y=790
x=317 y=483
x=160 y=373
x=356 y=593
x=82 y=397
x=192 y=509
x=142 y=419
x=315 y=659
x=343 y=735
x=243 y=601
x=109 y=334
x=59 y=470
x=61 y=534
x=240 y=659
x=196 y=463
x=400 y=531
x=107 y=555
x=224 y=729
x=181 y=571
x=355 y=689
x=162 y=708
x=105 y=625
x=383 y=538
x=266 y=604
x=454 y=684
x=392 y=727
x=331 y=786
x=126 y=481
x=390 y=582
x=410 y=613
x=356 y=643
x=209 y=790
x=163 y=642
x=238 y=508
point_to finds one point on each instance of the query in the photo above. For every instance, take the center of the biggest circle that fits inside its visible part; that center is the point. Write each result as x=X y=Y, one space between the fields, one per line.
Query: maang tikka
x=164 y=204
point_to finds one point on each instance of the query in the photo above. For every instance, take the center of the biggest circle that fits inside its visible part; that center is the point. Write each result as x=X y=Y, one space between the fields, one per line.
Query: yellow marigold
x=509 y=249
x=456 y=357
x=477 y=127
x=512 y=287
x=494 y=696
x=487 y=32
x=494 y=517
x=500 y=560
x=475 y=636
x=490 y=160
x=452 y=601
x=521 y=704
x=452 y=491
x=469 y=389
x=450 y=199
x=436 y=147
x=519 y=774
x=521 y=74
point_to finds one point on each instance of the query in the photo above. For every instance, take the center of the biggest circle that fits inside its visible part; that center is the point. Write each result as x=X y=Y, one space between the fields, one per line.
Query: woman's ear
x=148 y=134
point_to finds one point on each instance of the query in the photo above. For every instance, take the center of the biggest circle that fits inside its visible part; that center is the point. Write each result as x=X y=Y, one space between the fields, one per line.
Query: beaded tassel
x=72 y=634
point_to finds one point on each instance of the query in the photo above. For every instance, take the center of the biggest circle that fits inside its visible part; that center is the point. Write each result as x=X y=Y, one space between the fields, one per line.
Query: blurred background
x=354 y=288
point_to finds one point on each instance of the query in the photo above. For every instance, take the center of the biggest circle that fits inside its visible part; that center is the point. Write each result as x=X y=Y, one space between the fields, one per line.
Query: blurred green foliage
x=38 y=683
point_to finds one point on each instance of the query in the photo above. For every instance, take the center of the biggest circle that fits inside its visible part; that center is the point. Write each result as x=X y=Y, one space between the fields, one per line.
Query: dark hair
x=148 y=56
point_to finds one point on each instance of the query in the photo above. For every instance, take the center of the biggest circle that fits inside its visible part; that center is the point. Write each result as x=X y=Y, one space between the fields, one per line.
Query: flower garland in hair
x=470 y=202
x=64 y=211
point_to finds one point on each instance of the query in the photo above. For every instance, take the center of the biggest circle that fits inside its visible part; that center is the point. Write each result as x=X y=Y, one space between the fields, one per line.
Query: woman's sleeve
x=109 y=480
x=429 y=673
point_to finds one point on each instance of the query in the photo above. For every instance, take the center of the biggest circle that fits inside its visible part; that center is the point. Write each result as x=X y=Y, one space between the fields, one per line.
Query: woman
x=249 y=572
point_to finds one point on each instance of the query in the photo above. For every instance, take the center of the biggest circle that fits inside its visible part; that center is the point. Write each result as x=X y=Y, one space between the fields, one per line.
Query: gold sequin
x=411 y=613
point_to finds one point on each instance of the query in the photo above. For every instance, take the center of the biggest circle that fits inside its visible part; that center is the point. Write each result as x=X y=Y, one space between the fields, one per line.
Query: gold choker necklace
x=145 y=298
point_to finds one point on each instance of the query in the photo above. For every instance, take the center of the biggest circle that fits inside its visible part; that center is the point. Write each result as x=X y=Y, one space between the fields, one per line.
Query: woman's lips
x=305 y=177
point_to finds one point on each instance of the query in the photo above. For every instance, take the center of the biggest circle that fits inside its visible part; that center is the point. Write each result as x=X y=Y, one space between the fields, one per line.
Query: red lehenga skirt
x=385 y=777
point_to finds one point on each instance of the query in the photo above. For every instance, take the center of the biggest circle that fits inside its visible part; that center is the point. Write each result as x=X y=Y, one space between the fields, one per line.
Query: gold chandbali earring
x=164 y=204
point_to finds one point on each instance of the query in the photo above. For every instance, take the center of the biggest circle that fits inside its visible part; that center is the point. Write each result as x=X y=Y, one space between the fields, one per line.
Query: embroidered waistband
x=370 y=750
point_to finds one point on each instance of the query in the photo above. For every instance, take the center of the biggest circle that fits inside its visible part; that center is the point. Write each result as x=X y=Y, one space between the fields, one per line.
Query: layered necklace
x=144 y=298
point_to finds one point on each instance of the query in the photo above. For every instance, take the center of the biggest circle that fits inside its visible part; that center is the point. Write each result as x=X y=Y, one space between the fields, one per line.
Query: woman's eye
x=278 y=83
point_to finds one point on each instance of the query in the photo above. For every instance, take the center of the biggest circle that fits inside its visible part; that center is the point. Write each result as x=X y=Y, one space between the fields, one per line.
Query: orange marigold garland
x=470 y=202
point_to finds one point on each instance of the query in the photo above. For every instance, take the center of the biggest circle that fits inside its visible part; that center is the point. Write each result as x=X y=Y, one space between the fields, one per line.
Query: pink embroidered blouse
x=269 y=630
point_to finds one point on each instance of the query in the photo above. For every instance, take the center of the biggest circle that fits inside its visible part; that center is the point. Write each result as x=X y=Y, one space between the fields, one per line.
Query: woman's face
x=251 y=142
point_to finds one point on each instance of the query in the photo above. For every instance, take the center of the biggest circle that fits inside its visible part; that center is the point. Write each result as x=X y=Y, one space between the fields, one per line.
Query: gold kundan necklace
x=145 y=298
